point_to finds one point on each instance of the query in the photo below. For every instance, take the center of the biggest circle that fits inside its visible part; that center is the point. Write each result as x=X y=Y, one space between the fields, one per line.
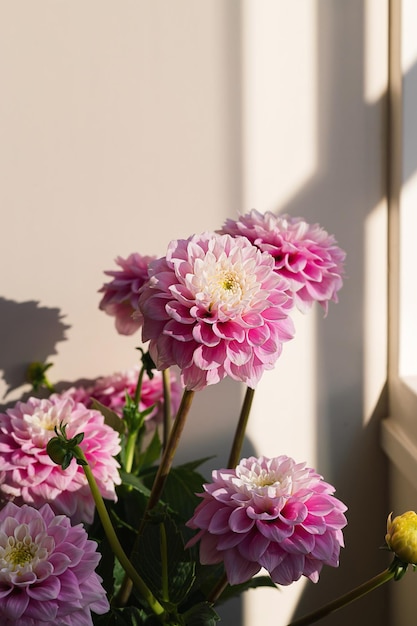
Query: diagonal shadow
x=345 y=448
x=28 y=332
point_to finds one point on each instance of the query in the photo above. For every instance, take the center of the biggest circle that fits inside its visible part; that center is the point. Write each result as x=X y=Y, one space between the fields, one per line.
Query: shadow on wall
x=28 y=332
x=340 y=199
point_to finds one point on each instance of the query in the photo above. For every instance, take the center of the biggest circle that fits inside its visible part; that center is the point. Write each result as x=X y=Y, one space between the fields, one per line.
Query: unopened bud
x=401 y=536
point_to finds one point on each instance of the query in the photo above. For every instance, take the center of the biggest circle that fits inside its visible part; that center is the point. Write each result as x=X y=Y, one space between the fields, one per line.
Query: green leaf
x=255 y=582
x=192 y=465
x=151 y=454
x=110 y=417
x=179 y=492
x=118 y=575
x=126 y=616
x=148 y=560
x=133 y=481
x=201 y=614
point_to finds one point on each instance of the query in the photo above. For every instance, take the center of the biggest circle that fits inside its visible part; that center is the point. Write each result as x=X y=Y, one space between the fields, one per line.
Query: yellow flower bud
x=401 y=536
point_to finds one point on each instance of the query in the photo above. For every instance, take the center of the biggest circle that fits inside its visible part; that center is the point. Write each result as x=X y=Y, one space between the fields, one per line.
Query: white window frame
x=399 y=430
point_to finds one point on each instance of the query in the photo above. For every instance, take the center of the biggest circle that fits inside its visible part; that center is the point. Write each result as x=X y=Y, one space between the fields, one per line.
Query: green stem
x=241 y=429
x=159 y=481
x=166 y=380
x=169 y=452
x=113 y=540
x=132 y=436
x=130 y=450
x=164 y=562
x=218 y=589
x=346 y=599
x=234 y=458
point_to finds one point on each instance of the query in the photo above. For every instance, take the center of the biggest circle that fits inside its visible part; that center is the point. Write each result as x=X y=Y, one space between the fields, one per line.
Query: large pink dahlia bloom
x=47 y=570
x=111 y=392
x=31 y=477
x=271 y=513
x=305 y=254
x=214 y=307
x=121 y=294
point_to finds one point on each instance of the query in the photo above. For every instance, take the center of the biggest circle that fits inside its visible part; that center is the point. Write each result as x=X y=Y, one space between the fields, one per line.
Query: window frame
x=399 y=429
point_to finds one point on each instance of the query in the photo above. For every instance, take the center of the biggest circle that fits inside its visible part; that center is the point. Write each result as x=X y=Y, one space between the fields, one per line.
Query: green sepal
x=399 y=568
x=132 y=417
x=36 y=375
x=147 y=363
x=62 y=450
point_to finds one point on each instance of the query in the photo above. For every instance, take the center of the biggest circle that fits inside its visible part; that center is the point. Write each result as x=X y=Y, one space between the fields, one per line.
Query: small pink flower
x=111 y=392
x=47 y=570
x=271 y=513
x=31 y=477
x=121 y=295
x=305 y=254
x=214 y=307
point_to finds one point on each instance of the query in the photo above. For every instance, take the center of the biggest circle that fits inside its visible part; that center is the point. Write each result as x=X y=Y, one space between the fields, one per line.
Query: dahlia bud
x=62 y=450
x=401 y=536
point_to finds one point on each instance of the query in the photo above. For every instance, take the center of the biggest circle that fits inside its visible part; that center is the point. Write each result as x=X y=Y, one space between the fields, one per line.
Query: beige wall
x=124 y=125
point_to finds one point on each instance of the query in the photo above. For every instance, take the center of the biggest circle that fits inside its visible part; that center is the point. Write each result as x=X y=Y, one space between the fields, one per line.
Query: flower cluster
x=271 y=513
x=31 y=477
x=111 y=392
x=47 y=570
x=217 y=305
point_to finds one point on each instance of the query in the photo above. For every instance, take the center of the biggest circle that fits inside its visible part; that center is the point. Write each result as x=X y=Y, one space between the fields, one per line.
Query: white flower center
x=225 y=286
x=42 y=423
x=265 y=481
x=19 y=553
x=224 y=283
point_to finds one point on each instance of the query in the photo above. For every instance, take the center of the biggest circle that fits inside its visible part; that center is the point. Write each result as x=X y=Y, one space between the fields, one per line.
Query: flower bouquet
x=97 y=523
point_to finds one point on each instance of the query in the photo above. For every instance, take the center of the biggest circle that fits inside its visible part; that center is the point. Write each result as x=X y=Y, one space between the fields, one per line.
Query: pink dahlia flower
x=111 y=392
x=31 y=477
x=214 y=307
x=121 y=295
x=271 y=513
x=305 y=254
x=47 y=570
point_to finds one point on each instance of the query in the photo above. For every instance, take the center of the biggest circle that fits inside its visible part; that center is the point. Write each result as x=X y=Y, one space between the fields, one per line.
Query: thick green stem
x=159 y=481
x=346 y=599
x=166 y=379
x=241 y=429
x=130 y=450
x=113 y=540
